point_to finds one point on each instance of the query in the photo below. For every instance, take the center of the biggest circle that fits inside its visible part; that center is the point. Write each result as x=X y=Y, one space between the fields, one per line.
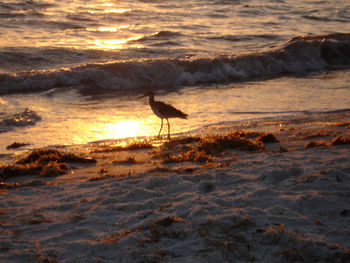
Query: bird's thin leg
x=161 y=127
x=168 y=129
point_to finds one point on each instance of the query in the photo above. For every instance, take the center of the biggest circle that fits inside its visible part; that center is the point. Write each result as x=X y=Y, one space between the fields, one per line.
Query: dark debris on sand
x=130 y=147
x=156 y=230
x=340 y=141
x=313 y=144
x=127 y=160
x=315 y=135
x=218 y=143
x=203 y=149
x=342 y=124
x=267 y=138
x=44 y=156
x=16 y=145
x=335 y=142
x=43 y=162
x=107 y=176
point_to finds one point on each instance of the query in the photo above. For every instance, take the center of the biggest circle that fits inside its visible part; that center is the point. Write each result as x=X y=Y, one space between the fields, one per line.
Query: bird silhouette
x=163 y=111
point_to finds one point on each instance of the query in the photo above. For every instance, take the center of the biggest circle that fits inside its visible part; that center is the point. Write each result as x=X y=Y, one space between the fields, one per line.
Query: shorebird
x=163 y=111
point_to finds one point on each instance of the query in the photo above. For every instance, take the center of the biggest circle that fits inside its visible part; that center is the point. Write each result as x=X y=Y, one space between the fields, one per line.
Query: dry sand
x=284 y=203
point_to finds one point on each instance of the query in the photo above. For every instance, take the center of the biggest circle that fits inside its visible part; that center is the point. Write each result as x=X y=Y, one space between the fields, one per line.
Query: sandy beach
x=246 y=196
x=258 y=165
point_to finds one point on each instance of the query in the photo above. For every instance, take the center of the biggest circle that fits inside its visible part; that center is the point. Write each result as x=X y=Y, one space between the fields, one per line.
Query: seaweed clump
x=155 y=230
x=189 y=156
x=342 y=124
x=16 y=145
x=315 y=135
x=43 y=162
x=127 y=160
x=340 y=141
x=267 y=138
x=335 y=142
x=203 y=150
x=217 y=143
x=181 y=141
x=130 y=147
x=313 y=144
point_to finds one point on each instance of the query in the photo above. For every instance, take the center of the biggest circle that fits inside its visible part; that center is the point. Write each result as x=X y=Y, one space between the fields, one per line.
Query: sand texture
x=281 y=198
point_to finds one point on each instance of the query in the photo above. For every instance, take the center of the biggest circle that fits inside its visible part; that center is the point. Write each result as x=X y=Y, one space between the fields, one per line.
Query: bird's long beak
x=144 y=95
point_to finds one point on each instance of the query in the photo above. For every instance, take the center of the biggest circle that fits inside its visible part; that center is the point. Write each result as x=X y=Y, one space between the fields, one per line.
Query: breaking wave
x=298 y=55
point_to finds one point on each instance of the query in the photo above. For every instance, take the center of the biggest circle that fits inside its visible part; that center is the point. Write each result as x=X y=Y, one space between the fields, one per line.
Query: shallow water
x=67 y=118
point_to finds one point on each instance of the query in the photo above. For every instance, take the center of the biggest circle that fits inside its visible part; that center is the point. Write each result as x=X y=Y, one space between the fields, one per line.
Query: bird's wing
x=169 y=111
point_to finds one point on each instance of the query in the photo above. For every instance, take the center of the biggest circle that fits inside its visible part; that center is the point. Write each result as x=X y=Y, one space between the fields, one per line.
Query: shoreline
x=193 y=199
x=18 y=147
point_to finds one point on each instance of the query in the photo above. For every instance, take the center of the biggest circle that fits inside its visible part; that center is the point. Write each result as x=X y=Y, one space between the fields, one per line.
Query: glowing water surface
x=229 y=26
x=69 y=118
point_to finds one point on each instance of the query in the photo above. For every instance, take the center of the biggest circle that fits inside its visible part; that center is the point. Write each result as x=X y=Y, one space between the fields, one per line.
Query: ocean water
x=71 y=71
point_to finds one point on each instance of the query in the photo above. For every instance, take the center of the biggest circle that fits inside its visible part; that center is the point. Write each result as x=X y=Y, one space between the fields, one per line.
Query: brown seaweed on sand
x=340 y=141
x=43 y=162
x=4 y=185
x=130 y=147
x=106 y=176
x=315 y=135
x=157 y=230
x=16 y=145
x=181 y=141
x=335 y=142
x=162 y=169
x=44 y=156
x=128 y=160
x=217 y=143
x=190 y=156
x=195 y=149
x=342 y=124
x=267 y=138
x=312 y=144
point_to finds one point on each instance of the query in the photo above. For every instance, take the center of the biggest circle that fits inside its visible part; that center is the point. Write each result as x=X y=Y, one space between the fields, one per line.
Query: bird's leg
x=168 y=129
x=161 y=127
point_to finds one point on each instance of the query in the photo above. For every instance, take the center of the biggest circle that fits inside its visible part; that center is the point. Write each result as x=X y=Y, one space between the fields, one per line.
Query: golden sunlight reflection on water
x=103 y=29
x=120 y=129
x=68 y=119
x=117 y=43
x=109 y=28
x=117 y=11
x=108 y=42
x=65 y=122
x=123 y=129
